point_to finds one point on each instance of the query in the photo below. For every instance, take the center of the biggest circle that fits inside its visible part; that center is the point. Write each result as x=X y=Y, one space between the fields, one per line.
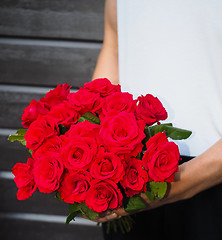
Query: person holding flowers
x=107 y=151
x=172 y=49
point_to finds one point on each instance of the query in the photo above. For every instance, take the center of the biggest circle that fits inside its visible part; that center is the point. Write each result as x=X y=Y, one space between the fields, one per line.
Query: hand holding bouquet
x=97 y=148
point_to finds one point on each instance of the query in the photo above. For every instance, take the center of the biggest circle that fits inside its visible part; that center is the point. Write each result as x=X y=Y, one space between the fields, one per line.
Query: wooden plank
x=67 y=19
x=11 y=153
x=47 y=63
x=13 y=100
x=26 y=230
x=38 y=203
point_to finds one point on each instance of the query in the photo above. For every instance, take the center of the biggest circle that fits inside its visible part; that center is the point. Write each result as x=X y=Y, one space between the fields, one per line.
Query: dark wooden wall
x=42 y=43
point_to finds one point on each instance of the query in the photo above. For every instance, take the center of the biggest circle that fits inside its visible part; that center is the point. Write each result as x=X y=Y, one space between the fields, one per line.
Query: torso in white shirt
x=173 y=50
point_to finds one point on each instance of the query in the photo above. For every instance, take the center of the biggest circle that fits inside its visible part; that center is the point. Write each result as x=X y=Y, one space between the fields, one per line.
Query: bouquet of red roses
x=97 y=148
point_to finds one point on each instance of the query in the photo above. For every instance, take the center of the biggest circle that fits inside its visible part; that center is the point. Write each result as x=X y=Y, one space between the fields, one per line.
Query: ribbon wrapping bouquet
x=97 y=149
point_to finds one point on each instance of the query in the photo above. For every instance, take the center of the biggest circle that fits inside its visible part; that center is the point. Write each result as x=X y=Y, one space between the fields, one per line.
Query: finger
x=104 y=214
x=121 y=212
x=107 y=218
x=145 y=199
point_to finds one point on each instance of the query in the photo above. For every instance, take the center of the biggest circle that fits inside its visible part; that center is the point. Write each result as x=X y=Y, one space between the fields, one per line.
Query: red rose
x=24 y=179
x=103 y=195
x=107 y=165
x=57 y=95
x=150 y=109
x=64 y=114
x=135 y=178
x=161 y=158
x=102 y=86
x=85 y=101
x=48 y=171
x=83 y=129
x=119 y=102
x=41 y=129
x=75 y=186
x=31 y=113
x=78 y=152
x=50 y=146
x=122 y=134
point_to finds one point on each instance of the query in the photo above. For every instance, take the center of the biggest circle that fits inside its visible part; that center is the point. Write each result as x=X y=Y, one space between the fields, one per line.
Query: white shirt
x=173 y=50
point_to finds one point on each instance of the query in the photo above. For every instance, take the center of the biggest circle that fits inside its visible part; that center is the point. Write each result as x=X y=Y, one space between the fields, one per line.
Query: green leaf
x=19 y=136
x=147 y=133
x=57 y=197
x=156 y=190
x=82 y=119
x=177 y=133
x=171 y=132
x=89 y=117
x=134 y=204
x=81 y=207
x=71 y=217
x=159 y=128
x=22 y=131
x=74 y=207
x=88 y=212
x=62 y=129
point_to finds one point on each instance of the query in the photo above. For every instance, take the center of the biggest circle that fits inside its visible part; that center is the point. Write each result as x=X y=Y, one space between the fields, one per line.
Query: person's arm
x=107 y=63
x=198 y=174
